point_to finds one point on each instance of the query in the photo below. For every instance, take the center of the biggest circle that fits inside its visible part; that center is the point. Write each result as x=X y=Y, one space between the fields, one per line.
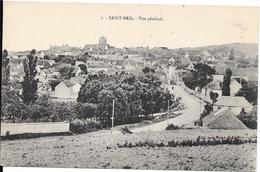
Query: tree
x=232 y=55
x=67 y=72
x=226 y=83
x=8 y=98
x=207 y=110
x=53 y=83
x=134 y=95
x=5 y=68
x=85 y=110
x=199 y=76
x=213 y=96
x=29 y=84
x=89 y=92
x=249 y=91
x=148 y=70
x=249 y=119
x=83 y=68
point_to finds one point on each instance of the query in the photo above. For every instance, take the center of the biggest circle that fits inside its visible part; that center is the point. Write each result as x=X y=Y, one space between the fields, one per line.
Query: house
x=234 y=103
x=185 y=60
x=67 y=90
x=244 y=73
x=223 y=119
x=171 y=61
x=219 y=78
x=77 y=71
x=16 y=67
x=235 y=86
x=97 y=66
x=50 y=62
x=45 y=63
x=79 y=79
x=230 y=63
x=43 y=88
x=214 y=87
x=42 y=76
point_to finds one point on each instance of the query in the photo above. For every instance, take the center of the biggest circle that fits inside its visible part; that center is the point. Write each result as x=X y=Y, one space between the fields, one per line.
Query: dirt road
x=190 y=114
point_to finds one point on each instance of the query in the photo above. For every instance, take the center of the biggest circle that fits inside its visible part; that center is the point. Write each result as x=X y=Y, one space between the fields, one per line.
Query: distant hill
x=248 y=50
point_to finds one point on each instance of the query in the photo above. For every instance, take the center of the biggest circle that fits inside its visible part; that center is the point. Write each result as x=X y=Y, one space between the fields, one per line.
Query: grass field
x=99 y=150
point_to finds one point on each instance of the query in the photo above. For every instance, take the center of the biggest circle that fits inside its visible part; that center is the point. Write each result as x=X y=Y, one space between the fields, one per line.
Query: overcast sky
x=30 y=25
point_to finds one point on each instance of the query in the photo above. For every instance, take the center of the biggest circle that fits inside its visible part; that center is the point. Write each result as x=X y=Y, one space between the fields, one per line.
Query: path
x=190 y=114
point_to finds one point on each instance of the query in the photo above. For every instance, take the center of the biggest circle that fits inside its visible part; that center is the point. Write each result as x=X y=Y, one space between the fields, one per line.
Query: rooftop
x=231 y=101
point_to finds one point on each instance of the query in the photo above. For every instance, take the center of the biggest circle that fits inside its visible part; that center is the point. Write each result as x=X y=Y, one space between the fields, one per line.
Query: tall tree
x=5 y=68
x=226 y=83
x=29 y=84
x=232 y=54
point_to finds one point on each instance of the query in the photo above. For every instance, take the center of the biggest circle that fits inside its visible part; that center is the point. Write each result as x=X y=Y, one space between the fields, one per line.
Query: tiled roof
x=68 y=83
x=214 y=85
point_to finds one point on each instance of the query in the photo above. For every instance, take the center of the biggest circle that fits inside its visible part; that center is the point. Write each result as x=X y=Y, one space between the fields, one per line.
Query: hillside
x=249 y=50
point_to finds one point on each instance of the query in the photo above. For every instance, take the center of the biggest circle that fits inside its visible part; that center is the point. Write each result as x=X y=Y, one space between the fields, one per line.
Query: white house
x=67 y=90
x=219 y=78
x=235 y=86
x=78 y=71
x=42 y=76
x=234 y=103
x=214 y=87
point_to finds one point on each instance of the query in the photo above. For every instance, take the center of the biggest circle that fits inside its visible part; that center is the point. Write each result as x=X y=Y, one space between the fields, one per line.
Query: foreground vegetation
x=199 y=141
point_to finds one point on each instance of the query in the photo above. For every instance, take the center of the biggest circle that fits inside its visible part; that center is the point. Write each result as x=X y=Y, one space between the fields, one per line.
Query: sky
x=38 y=25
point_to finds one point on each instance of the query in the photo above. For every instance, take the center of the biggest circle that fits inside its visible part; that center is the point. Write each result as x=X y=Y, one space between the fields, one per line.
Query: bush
x=172 y=127
x=249 y=119
x=78 y=126
x=125 y=130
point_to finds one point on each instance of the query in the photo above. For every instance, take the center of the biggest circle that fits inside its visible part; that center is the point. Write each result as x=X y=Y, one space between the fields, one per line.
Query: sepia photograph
x=129 y=86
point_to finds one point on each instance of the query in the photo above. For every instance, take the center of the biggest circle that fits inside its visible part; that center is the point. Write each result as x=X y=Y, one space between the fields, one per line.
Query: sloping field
x=100 y=150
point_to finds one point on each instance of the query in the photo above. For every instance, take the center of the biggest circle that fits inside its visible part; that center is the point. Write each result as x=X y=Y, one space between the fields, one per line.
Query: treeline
x=43 y=110
x=136 y=97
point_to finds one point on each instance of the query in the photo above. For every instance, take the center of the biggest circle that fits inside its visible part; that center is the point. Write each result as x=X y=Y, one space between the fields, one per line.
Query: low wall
x=44 y=127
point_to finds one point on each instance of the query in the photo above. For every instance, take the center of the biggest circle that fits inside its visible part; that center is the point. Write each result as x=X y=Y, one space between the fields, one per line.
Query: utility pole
x=113 y=115
x=168 y=113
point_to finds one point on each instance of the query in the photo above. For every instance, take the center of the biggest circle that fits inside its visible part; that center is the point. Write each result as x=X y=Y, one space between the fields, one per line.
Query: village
x=193 y=98
x=61 y=70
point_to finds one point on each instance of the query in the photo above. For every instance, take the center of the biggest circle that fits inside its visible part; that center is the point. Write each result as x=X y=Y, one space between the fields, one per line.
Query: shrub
x=199 y=141
x=78 y=126
x=249 y=119
x=172 y=127
x=125 y=130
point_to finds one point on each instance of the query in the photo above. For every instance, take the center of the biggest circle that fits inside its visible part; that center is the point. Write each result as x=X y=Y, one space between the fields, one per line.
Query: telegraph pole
x=168 y=113
x=113 y=115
